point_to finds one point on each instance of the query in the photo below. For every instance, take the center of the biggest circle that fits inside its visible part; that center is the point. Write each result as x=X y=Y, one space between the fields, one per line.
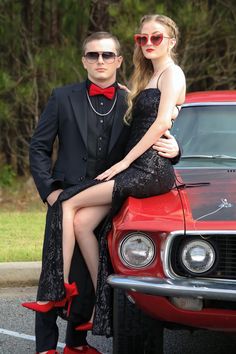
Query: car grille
x=225 y=265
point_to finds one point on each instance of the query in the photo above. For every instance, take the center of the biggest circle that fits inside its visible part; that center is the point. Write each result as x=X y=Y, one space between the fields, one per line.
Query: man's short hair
x=101 y=35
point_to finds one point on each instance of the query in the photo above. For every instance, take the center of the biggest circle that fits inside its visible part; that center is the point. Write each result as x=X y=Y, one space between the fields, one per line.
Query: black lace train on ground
x=149 y=175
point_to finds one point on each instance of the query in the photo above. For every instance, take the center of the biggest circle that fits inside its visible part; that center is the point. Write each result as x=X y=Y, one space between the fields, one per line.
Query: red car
x=174 y=255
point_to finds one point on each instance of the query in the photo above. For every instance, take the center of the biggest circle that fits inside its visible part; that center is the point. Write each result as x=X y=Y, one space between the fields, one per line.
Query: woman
x=158 y=85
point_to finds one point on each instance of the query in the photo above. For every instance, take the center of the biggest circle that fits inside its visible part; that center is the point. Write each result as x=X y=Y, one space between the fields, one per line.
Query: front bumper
x=201 y=289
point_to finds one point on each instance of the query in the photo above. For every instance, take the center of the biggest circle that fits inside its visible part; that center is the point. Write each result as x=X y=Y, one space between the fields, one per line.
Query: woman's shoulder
x=174 y=69
x=173 y=79
x=173 y=75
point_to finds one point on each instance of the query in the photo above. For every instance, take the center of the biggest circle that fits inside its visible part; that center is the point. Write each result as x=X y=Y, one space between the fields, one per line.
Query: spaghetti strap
x=162 y=73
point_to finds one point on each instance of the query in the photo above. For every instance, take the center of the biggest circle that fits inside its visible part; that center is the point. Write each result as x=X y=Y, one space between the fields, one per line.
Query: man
x=87 y=118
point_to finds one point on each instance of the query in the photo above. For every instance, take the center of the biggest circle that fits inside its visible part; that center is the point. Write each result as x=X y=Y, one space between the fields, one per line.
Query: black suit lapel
x=79 y=104
x=118 y=125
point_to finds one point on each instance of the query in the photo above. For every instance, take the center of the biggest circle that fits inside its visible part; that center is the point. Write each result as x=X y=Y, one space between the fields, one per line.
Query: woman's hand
x=113 y=170
x=123 y=87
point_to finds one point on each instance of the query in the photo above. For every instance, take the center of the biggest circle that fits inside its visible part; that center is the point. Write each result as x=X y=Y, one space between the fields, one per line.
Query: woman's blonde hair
x=143 y=69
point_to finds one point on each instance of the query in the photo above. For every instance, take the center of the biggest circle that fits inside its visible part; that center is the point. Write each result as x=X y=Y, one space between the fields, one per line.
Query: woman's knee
x=68 y=206
x=81 y=223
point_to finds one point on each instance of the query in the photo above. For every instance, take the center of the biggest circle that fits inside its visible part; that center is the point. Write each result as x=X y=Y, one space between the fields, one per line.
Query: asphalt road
x=17 y=331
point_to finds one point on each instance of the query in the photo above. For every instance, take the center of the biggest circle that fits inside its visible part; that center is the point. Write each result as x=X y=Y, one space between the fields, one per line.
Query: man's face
x=103 y=69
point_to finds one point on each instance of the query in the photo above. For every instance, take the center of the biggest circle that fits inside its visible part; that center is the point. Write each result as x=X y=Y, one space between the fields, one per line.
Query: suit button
x=81 y=178
x=84 y=158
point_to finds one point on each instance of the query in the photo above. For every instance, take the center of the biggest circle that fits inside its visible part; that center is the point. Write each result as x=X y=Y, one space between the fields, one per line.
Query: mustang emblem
x=225 y=203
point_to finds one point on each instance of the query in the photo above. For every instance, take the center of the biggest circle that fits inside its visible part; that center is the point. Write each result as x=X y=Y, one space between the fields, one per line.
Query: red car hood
x=205 y=200
x=209 y=198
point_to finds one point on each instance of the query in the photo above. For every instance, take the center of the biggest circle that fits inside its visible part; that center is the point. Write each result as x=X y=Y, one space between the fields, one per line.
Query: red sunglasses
x=142 y=39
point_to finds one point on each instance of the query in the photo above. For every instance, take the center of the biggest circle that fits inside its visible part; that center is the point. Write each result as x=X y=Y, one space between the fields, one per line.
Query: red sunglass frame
x=147 y=36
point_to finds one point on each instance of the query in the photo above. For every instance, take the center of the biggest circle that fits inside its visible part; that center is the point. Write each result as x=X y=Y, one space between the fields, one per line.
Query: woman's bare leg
x=100 y=194
x=95 y=196
x=86 y=221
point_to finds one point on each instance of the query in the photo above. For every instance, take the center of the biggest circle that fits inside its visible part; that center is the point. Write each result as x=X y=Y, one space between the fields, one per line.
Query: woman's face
x=150 y=49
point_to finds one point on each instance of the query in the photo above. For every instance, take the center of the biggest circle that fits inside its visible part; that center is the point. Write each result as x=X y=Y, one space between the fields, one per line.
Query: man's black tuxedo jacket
x=65 y=116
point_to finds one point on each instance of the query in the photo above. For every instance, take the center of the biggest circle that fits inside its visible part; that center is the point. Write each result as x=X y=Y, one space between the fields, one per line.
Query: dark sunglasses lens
x=109 y=57
x=156 y=39
x=92 y=57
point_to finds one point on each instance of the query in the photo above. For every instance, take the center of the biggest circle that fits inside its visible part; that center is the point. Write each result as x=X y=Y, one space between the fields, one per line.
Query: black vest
x=99 y=132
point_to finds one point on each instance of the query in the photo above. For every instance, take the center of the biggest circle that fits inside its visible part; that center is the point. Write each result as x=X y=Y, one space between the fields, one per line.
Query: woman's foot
x=85 y=326
x=46 y=306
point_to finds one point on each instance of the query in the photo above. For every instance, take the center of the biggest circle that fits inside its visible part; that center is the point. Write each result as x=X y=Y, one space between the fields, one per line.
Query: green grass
x=21 y=235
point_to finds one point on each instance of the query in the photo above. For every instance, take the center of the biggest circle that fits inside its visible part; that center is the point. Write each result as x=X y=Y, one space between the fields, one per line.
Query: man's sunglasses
x=142 y=39
x=107 y=57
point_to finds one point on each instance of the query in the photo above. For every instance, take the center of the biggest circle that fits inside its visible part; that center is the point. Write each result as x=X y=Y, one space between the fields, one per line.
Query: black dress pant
x=46 y=331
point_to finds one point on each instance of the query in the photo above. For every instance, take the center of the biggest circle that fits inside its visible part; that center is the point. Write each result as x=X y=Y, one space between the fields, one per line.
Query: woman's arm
x=172 y=88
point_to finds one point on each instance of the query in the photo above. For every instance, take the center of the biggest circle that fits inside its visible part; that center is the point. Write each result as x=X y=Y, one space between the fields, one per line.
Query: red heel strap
x=85 y=327
x=71 y=289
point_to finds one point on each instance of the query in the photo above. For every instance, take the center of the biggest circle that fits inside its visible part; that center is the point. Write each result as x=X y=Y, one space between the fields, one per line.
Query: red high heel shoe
x=85 y=327
x=34 y=306
x=71 y=291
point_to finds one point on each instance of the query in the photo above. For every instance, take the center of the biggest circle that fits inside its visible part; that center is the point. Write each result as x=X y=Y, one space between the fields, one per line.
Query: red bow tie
x=107 y=92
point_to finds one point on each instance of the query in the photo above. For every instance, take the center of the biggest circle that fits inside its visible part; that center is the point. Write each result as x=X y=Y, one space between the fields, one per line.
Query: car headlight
x=198 y=256
x=137 y=250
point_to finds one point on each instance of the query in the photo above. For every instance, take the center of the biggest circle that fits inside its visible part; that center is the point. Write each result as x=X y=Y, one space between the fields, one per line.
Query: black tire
x=134 y=332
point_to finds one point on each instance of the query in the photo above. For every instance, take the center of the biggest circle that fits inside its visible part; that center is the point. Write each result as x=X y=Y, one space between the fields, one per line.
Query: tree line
x=40 y=44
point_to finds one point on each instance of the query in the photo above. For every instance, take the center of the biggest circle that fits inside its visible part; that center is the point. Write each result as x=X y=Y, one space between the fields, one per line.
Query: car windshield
x=207 y=134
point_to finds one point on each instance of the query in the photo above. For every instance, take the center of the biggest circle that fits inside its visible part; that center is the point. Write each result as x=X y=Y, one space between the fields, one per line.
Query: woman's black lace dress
x=149 y=175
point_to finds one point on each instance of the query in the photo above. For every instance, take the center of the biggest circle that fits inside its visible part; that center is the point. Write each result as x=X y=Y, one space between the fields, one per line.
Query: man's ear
x=120 y=60
x=84 y=62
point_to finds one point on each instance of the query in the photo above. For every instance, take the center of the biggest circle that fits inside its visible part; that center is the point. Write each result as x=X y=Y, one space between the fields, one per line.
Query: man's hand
x=52 y=198
x=167 y=147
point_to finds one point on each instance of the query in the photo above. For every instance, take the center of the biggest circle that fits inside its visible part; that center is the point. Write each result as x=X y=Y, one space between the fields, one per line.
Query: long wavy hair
x=143 y=68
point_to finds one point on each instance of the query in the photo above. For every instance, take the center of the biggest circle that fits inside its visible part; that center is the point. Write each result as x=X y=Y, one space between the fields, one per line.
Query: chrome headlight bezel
x=198 y=243
x=143 y=237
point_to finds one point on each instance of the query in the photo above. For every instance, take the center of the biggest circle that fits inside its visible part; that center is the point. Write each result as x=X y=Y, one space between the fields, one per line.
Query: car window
x=207 y=135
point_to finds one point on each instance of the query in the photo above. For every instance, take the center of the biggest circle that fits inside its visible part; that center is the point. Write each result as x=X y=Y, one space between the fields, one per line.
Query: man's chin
x=102 y=77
